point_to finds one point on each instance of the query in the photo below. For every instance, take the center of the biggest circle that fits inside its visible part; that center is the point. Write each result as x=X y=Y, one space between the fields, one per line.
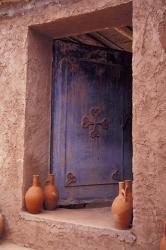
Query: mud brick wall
x=23 y=54
x=149 y=119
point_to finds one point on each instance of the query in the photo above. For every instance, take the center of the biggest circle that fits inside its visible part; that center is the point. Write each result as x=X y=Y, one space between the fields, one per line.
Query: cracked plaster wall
x=149 y=133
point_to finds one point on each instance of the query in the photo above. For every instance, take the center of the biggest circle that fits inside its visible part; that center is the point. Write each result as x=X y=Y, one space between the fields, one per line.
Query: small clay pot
x=34 y=197
x=1 y=225
x=163 y=240
x=51 y=193
x=122 y=206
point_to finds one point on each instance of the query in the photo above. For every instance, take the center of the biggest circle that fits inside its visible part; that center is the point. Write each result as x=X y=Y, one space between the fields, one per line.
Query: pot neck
x=128 y=186
x=121 y=186
x=36 y=181
x=51 y=179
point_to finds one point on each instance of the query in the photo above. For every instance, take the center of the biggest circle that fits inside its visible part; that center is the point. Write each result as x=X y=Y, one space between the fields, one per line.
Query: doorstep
x=93 y=219
x=10 y=246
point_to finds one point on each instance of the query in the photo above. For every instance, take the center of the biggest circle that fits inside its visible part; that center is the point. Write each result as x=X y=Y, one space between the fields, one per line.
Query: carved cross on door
x=93 y=121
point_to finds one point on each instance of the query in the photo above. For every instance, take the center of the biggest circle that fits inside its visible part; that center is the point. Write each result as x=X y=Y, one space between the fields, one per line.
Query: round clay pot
x=122 y=207
x=51 y=193
x=1 y=225
x=163 y=240
x=34 y=197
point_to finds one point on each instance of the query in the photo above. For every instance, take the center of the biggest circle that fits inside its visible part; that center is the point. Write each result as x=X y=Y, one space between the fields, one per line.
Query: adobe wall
x=149 y=119
x=19 y=100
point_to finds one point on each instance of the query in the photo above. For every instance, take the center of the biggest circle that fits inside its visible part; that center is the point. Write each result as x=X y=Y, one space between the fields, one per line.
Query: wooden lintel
x=124 y=31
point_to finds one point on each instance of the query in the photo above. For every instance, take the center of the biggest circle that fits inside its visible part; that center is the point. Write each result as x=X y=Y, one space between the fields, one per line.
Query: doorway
x=91 y=144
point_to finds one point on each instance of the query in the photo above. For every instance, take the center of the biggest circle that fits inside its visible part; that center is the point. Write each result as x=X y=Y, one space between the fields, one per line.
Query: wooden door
x=88 y=121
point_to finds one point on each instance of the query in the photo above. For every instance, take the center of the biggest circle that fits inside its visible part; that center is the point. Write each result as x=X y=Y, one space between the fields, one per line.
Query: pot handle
x=125 y=192
x=165 y=229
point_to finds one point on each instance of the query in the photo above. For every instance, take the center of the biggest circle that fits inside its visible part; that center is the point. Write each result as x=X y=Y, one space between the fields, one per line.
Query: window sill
x=91 y=218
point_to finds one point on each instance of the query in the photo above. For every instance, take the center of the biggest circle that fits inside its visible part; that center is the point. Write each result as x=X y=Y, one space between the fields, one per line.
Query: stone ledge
x=10 y=246
x=84 y=219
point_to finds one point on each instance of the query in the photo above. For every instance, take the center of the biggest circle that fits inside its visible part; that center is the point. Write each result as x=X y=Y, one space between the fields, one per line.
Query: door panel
x=87 y=121
x=93 y=150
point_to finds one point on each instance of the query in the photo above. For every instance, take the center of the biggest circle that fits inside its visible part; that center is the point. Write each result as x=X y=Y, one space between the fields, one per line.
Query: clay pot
x=122 y=206
x=34 y=197
x=1 y=225
x=51 y=193
x=163 y=240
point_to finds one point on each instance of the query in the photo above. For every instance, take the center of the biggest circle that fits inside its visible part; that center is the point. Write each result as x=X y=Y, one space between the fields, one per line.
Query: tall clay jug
x=51 y=193
x=163 y=240
x=1 y=225
x=34 y=197
x=122 y=206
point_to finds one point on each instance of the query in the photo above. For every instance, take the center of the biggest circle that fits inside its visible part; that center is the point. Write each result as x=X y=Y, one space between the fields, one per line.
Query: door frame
x=72 y=191
x=38 y=106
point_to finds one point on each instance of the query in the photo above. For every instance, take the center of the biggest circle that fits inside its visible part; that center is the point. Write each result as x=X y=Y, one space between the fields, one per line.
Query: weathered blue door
x=88 y=121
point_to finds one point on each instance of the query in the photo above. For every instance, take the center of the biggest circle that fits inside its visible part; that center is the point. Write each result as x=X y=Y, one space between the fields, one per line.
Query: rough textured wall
x=70 y=7
x=13 y=59
x=149 y=120
x=149 y=135
x=38 y=108
x=14 y=98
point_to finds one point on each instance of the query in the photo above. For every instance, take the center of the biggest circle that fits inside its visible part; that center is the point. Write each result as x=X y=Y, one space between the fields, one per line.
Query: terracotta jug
x=34 y=197
x=1 y=225
x=122 y=206
x=163 y=240
x=51 y=193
